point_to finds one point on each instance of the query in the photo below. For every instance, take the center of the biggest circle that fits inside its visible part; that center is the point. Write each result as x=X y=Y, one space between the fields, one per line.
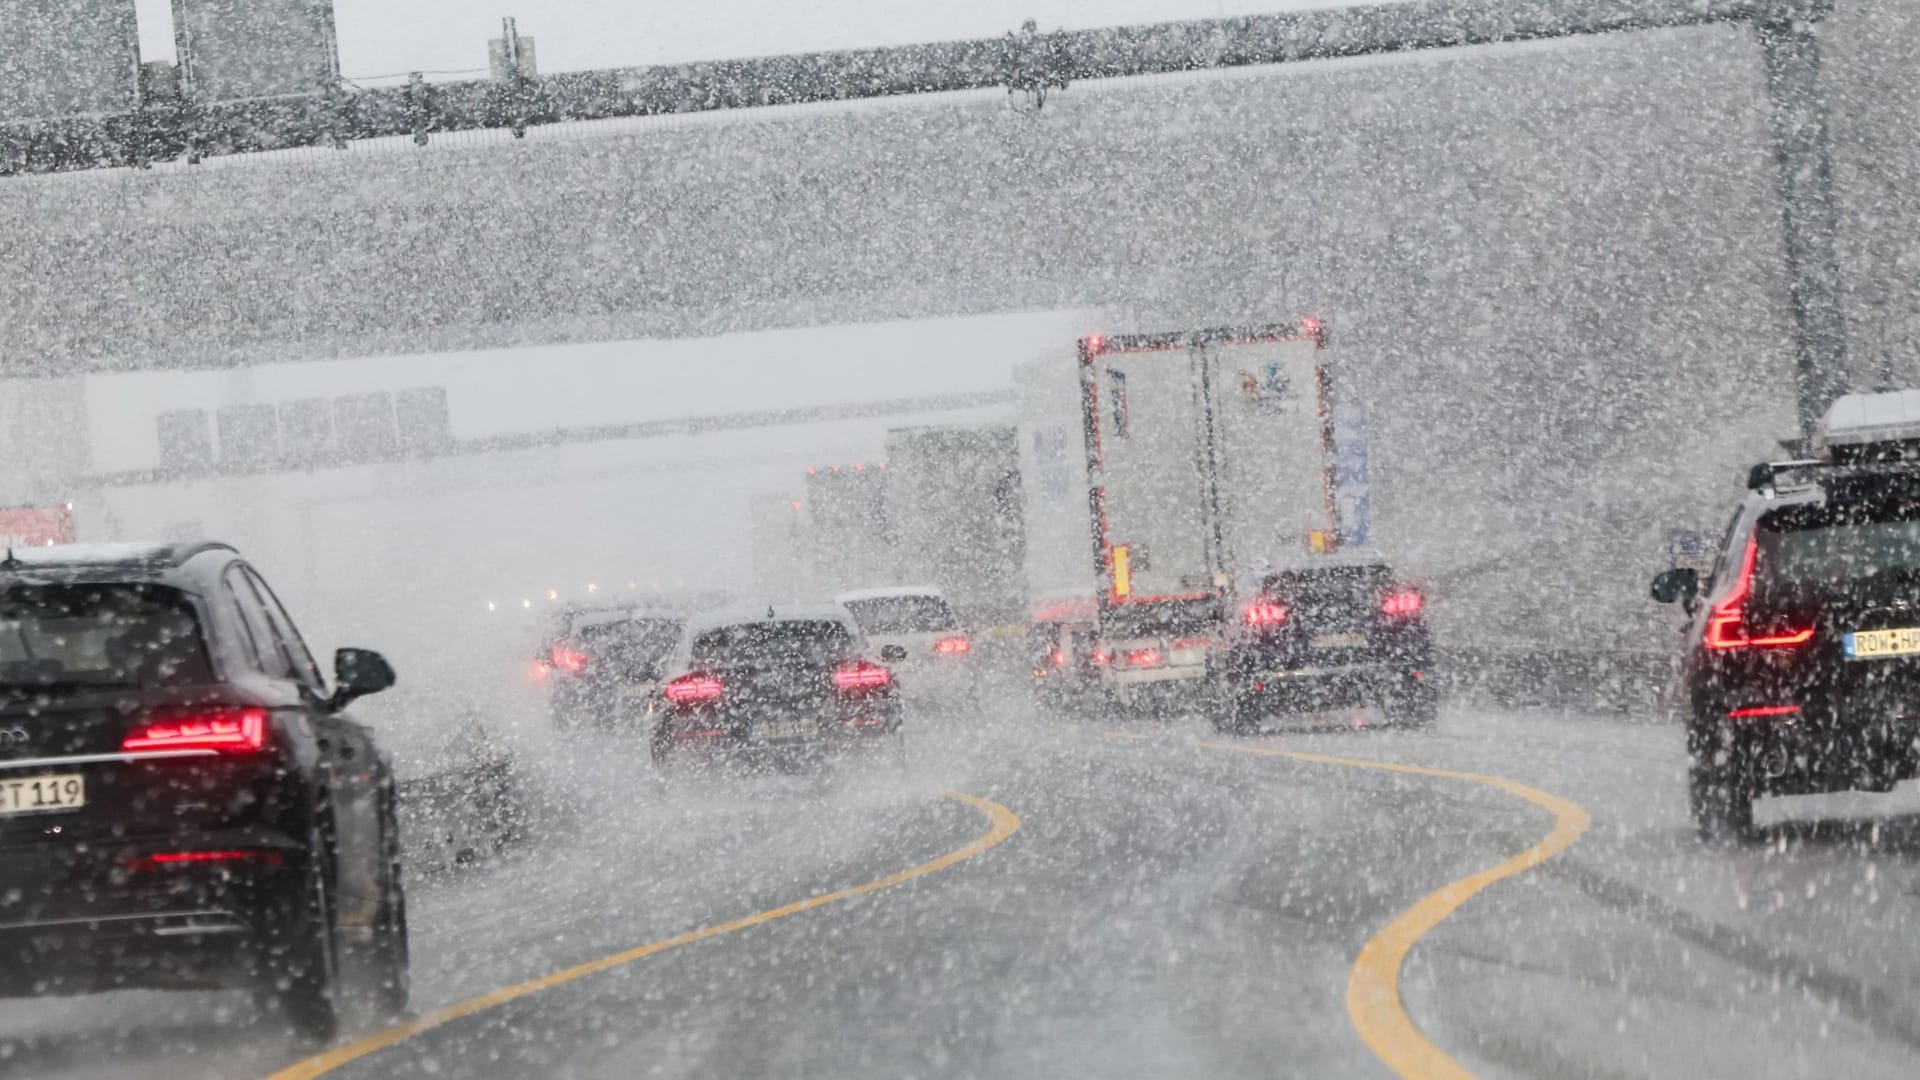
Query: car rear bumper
x=1311 y=688
x=74 y=926
x=1813 y=751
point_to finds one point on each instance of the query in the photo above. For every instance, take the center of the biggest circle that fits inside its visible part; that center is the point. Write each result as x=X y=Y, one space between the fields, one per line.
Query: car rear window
x=902 y=614
x=640 y=641
x=115 y=635
x=792 y=641
x=1836 y=544
x=1328 y=584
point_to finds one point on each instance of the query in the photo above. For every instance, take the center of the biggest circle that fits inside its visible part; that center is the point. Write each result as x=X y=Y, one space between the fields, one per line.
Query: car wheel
x=1722 y=802
x=302 y=966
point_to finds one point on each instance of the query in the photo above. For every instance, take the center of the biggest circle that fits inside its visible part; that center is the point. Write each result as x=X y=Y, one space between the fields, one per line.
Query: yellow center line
x=1002 y=823
x=1373 y=985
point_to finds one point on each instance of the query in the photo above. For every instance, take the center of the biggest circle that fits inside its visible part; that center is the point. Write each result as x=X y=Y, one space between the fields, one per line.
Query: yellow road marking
x=1002 y=824
x=1373 y=984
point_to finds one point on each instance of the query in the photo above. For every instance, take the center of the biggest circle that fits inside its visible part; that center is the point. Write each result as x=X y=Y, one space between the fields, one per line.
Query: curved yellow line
x=1373 y=984
x=1003 y=823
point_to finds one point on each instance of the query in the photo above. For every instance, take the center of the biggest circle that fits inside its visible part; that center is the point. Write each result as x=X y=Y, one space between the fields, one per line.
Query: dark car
x=780 y=688
x=601 y=665
x=183 y=803
x=1802 y=668
x=1332 y=631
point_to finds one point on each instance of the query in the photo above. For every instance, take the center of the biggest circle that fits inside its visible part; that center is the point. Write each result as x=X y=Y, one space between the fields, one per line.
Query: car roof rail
x=1762 y=476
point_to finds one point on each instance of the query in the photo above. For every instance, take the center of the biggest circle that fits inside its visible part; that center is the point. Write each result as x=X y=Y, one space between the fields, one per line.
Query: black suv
x=182 y=802
x=1328 y=631
x=781 y=690
x=601 y=665
x=1802 y=668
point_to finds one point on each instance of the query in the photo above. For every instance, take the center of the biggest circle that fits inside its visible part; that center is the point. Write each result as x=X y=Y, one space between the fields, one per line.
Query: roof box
x=1871 y=427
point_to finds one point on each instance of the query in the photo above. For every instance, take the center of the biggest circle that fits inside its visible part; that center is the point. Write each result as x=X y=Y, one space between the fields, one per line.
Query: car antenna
x=769 y=611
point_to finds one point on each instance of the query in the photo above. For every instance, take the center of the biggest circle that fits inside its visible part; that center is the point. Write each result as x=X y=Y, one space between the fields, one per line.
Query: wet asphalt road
x=1167 y=908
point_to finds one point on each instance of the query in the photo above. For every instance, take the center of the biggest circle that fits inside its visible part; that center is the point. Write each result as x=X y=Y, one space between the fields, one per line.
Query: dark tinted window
x=634 y=643
x=119 y=635
x=288 y=635
x=266 y=649
x=902 y=614
x=773 y=642
x=1839 y=543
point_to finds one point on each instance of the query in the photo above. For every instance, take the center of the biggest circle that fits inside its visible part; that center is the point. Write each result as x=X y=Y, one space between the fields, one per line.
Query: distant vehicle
x=782 y=689
x=183 y=802
x=1326 y=632
x=1061 y=633
x=1155 y=464
x=935 y=652
x=958 y=517
x=1803 y=643
x=600 y=665
x=36 y=526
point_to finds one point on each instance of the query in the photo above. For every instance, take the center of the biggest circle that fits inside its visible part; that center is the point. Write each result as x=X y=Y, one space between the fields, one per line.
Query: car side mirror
x=891 y=653
x=1679 y=583
x=357 y=673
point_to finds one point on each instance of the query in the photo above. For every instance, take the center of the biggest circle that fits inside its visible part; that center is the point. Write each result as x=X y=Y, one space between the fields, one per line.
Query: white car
x=938 y=666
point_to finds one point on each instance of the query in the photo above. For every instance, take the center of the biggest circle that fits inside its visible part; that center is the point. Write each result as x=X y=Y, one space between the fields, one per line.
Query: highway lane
x=1166 y=908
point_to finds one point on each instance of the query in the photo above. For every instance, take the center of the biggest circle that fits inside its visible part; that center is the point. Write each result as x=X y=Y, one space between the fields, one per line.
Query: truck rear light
x=1759 y=711
x=1192 y=643
x=694 y=689
x=1057 y=658
x=1726 y=623
x=569 y=659
x=1143 y=658
x=167 y=859
x=1401 y=603
x=950 y=646
x=1264 y=613
x=1101 y=657
x=861 y=675
x=227 y=731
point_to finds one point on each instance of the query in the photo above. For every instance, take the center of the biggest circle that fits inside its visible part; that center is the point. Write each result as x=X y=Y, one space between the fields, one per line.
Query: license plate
x=1875 y=644
x=785 y=729
x=635 y=691
x=1351 y=639
x=42 y=794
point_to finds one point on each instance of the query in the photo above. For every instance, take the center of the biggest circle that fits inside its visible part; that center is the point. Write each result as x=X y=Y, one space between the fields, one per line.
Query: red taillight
x=1401 y=603
x=952 y=645
x=1763 y=710
x=569 y=659
x=1101 y=657
x=861 y=675
x=1143 y=658
x=694 y=689
x=1192 y=643
x=1725 y=624
x=1264 y=613
x=1057 y=658
x=166 y=859
x=232 y=731
x=541 y=670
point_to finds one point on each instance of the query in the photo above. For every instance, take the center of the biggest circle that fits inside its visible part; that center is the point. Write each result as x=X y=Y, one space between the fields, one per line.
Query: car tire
x=302 y=965
x=1721 y=801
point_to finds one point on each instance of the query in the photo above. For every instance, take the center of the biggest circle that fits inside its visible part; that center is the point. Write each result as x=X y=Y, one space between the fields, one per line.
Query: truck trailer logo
x=1268 y=391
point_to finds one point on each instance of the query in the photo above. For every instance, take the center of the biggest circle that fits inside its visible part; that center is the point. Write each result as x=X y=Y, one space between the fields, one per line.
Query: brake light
x=1101 y=657
x=1192 y=643
x=231 y=731
x=166 y=859
x=1401 y=603
x=1143 y=658
x=1763 y=710
x=861 y=675
x=1057 y=658
x=952 y=645
x=694 y=689
x=569 y=659
x=1724 y=624
x=1264 y=613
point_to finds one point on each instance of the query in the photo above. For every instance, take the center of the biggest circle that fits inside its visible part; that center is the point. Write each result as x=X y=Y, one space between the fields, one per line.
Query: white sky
x=381 y=37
